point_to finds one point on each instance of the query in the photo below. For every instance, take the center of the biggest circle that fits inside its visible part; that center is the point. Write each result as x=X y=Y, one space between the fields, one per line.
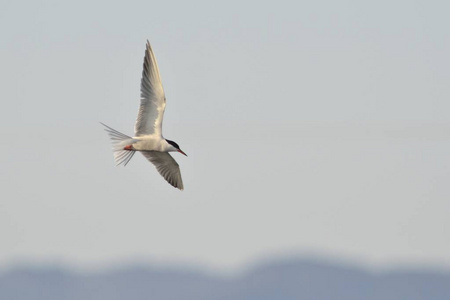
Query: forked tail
x=119 y=142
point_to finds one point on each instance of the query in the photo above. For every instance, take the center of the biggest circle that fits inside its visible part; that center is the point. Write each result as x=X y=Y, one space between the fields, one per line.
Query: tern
x=148 y=138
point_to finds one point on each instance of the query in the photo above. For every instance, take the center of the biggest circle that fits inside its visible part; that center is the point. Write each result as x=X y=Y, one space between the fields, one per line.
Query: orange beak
x=129 y=147
x=179 y=150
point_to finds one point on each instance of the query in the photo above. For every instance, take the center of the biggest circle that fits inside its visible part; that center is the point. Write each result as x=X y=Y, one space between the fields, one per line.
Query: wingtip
x=177 y=186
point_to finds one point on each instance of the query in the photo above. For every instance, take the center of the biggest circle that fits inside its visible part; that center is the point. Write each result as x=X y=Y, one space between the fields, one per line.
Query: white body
x=152 y=143
x=148 y=137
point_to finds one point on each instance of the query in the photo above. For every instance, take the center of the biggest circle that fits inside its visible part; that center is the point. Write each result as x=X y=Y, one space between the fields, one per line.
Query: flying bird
x=148 y=138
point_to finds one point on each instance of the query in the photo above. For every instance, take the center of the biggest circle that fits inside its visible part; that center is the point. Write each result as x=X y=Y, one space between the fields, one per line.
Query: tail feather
x=119 y=141
x=123 y=157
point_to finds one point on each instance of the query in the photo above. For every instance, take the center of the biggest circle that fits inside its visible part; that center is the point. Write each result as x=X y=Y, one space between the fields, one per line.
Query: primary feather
x=153 y=100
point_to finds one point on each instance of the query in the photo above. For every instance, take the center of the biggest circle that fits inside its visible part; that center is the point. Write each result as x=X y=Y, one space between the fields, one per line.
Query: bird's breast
x=149 y=144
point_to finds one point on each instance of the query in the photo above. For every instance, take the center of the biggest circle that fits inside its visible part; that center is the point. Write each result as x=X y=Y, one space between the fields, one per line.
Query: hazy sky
x=311 y=126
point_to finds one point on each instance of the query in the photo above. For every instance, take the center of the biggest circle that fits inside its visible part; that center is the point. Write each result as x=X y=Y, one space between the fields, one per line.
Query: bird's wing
x=153 y=100
x=166 y=166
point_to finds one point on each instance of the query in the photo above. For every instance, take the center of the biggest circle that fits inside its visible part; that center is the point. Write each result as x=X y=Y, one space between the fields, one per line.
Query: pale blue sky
x=310 y=127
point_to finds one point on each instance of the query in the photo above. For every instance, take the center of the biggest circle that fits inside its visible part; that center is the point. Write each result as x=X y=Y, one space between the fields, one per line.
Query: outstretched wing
x=166 y=166
x=153 y=100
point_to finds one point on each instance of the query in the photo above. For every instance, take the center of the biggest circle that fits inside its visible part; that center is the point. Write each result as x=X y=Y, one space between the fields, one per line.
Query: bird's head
x=174 y=147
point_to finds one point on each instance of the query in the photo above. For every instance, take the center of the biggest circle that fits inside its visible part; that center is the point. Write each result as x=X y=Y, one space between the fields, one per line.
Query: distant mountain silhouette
x=287 y=280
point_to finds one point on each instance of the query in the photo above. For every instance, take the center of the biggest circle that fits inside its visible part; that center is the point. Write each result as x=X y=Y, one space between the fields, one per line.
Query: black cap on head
x=173 y=143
